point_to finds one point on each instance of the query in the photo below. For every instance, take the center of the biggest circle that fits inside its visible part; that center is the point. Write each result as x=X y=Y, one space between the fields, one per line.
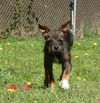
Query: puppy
x=58 y=44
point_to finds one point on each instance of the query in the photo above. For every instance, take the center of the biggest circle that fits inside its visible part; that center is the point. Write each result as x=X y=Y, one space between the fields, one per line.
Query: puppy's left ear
x=65 y=27
x=44 y=30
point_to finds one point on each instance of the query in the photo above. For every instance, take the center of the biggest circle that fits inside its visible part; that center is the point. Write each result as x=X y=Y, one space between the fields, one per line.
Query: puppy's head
x=55 y=39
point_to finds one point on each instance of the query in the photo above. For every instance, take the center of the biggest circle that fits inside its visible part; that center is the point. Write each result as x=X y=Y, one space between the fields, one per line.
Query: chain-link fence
x=88 y=13
x=52 y=13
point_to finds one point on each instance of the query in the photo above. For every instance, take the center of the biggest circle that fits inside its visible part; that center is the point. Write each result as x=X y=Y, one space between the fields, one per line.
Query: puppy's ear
x=65 y=27
x=44 y=30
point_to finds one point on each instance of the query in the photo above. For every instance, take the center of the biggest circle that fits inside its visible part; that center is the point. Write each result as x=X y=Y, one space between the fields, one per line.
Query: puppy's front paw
x=64 y=84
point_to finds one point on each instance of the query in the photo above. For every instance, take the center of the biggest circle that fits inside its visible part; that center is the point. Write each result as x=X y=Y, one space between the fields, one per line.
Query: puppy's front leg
x=66 y=67
x=49 y=79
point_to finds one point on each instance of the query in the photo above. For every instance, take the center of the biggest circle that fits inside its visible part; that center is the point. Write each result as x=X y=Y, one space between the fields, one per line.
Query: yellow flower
x=32 y=45
x=86 y=54
x=11 y=90
x=76 y=57
x=95 y=44
x=19 y=42
x=1 y=48
x=78 y=43
x=84 y=79
x=79 y=78
x=28 y=83
x=95 y=63
x=8 y=43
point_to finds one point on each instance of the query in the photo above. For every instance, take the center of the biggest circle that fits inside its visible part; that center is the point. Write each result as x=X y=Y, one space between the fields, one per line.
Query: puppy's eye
x=61 y=39
x=49 y=40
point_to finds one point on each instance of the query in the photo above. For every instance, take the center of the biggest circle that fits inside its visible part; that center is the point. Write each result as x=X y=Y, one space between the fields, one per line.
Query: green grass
x=22 y=60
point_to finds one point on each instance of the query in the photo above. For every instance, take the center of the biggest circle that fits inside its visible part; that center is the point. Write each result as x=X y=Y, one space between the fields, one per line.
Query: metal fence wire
x=52 y=13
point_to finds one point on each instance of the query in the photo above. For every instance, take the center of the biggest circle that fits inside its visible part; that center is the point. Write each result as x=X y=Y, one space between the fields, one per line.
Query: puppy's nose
x=56 y=48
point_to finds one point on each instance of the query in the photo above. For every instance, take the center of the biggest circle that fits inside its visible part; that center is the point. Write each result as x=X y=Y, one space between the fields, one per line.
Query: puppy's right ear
x=44 y=30
x=65 y=27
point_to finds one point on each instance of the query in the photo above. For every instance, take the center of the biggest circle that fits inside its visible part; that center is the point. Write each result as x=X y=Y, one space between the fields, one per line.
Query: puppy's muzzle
x=55 y=48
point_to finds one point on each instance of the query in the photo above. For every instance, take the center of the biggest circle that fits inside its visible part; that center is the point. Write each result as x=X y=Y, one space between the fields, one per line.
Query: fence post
x=73 y=15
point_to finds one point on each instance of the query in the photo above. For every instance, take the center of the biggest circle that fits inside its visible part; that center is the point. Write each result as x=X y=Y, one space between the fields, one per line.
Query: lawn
x=21 y=60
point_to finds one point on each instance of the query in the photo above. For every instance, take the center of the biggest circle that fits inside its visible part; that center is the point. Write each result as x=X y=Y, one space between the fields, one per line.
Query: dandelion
x=76 y=57
x=32 y=45
x=86 y=54
x=28 y=83
x=78 y=43
x=78 y=78
x=19 y=42
x=1 y=48
x=81 y=79
x=95 y=63
x=84 y=79
x=95 y=44
x=8 y=44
